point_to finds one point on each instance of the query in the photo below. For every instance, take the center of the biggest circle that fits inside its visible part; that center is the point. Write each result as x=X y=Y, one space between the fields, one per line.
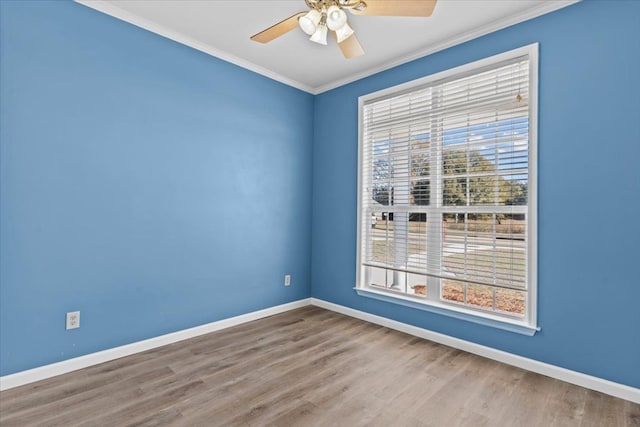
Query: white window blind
x=445 y=190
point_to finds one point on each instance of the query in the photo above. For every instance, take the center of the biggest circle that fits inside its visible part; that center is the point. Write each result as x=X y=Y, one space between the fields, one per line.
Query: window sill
x=462 y=314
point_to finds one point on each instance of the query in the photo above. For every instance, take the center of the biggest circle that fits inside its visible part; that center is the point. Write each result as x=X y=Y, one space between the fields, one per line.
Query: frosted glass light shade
x=344 y=33
x=309 y=22
x=336 y=18
x=320 y=36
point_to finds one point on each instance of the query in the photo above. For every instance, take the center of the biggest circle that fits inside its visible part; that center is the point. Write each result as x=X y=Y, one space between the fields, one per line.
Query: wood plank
x=308 y=367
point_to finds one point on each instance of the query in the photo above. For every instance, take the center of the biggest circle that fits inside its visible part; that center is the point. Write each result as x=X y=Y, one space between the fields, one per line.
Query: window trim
x=529 y=324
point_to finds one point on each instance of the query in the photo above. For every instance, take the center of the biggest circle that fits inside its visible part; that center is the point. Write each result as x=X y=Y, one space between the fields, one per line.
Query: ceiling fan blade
x=278 y=29
x=397 y=8
x=351 y=47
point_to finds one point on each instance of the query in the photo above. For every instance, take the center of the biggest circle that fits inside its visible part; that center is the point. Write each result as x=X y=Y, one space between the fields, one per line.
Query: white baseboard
x=54 y=369
x=594 y=383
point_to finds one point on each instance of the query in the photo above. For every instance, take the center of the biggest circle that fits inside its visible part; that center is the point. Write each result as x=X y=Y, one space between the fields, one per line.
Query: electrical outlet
x=73 y=320
x=287 y=280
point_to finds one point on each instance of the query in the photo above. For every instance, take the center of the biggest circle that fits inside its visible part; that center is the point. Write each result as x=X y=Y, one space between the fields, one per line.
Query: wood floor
x=308 y=367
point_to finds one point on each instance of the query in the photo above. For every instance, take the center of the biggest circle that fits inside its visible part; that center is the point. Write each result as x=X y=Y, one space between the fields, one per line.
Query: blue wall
x=589 y=190
x=155 y=188
x=149 y=185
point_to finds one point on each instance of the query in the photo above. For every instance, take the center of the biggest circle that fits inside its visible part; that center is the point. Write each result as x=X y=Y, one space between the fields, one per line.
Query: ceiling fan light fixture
x=320 y=36
x=344 y=33
x=309 y=22
x=336 y=18
x=322 y=16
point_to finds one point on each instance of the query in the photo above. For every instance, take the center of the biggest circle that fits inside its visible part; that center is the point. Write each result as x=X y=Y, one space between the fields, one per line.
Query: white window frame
x=527 y=325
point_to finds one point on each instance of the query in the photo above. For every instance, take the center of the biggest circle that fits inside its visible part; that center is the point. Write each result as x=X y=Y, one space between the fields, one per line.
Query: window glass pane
x=380 y=144
x=453 y=290
x=382 y=193
x=485 y=163
x=417 y=242
x=455 y=192
x=480 y=296
x=382 y=169
x=486 y=248
x=417 y=285
x=454 y=162
x=378 y=277
x=420 y=164
x=420 y=192
x=483 y=190
x=401 y=195
x=380 y=237
x=420 y=172
x=397 y=258
x=514 y=190
x=510 y=301
x=507 y=301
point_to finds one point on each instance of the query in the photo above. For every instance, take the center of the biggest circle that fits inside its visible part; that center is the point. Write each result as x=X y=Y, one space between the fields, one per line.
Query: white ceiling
x=222 y=28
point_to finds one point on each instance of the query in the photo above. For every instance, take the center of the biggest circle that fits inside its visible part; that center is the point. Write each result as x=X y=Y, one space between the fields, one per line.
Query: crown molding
x=544 y=8
x=116 y=12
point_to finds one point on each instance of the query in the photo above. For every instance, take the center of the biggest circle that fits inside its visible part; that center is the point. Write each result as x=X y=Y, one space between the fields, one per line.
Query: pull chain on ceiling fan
x=329 y=15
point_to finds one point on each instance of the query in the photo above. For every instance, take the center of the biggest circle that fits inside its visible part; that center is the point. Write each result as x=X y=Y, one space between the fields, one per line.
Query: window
x=447 y=198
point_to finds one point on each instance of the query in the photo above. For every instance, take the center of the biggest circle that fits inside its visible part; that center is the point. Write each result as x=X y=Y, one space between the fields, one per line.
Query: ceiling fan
x=329 y=15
